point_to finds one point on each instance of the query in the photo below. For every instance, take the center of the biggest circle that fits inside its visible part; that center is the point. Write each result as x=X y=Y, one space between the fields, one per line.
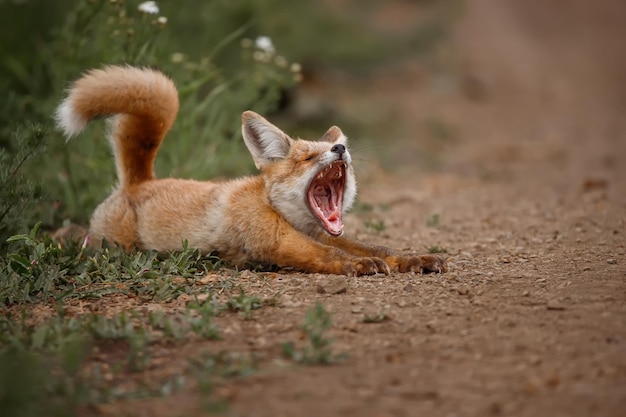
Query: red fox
x=290 y=215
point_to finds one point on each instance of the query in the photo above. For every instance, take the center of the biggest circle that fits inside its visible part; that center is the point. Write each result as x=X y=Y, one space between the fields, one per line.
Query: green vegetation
x=318 y=351
x=375 y=225
x=378 y=317
x=433 y=220
x=436 y=249
x=244 y=304
x=37 y=269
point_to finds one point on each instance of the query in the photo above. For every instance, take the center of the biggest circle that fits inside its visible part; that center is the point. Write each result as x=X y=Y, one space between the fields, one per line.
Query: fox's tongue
x=334 y=216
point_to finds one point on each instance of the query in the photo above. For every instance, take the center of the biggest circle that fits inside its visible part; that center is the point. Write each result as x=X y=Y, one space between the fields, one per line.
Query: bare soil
x=528 y=197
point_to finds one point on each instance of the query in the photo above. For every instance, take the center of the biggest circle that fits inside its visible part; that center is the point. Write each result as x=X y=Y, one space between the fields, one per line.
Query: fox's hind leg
x=115 y=220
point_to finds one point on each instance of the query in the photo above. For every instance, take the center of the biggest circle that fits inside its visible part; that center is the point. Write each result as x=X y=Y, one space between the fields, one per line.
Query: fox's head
x=310 y=183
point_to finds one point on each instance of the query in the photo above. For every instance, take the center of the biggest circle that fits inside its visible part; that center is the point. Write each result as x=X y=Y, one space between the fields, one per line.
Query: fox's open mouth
x=325 y=196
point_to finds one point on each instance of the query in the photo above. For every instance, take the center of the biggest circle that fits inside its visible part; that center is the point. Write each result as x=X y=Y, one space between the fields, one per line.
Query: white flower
x=85 y=242
x=162 y=20
x=280 y=61
x=261 y=56
x=265 y=44
x=177 y=57
x=295 y=67
x=149 y=7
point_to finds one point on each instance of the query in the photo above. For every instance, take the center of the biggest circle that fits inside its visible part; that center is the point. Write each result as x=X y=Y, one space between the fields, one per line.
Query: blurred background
x=470 y=88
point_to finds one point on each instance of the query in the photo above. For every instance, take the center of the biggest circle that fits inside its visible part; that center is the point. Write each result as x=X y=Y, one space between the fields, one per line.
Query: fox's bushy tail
x=145 y=103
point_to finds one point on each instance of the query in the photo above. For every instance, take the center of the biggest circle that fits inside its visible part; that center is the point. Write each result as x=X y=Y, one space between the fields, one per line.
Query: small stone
x=432 y=326
x=352 y=327
x=533 y=384
x=553 y=381
x=592 y=184
x=210 y=279
x=587 y=268
x=332 y=284
x=555 y=305
x=463 y=290
x=409 y=288
x=611 y=261
x=393 y=357
x=477 y=301
x=495 y=408
x=245 y=274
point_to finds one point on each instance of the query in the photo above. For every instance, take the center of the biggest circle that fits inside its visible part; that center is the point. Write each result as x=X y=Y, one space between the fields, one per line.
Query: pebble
x=464 y=290
x=409 y=288
x=611 y=261
x=352 y=326
x=555 y=305
x=477 y=302
x=432 y=326
x=332 y=284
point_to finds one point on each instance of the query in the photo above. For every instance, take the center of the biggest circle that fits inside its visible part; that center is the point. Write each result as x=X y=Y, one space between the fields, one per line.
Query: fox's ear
x=265 y=141
x=334 y=134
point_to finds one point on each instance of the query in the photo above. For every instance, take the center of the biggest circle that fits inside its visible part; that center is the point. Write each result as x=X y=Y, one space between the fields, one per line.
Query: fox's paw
x=418 y=263
x=366 y=266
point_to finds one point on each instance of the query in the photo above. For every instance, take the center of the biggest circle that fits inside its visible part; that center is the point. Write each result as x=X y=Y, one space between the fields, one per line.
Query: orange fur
x=289 y=215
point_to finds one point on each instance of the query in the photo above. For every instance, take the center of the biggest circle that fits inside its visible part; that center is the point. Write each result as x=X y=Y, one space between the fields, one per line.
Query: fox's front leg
x=302 y=252
x=396 y=262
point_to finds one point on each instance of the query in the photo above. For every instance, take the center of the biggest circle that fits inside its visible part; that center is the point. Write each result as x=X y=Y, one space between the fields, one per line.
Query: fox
x=290 y=215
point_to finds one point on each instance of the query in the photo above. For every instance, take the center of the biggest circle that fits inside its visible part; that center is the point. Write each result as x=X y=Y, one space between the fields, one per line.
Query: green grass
x=375 y=225
x=379 y=317
x=37 y=269
x=433 y=220
x=318 y=350
x=436 y=249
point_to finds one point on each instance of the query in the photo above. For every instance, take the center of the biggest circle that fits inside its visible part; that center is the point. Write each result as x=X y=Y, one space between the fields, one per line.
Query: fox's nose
x=339 y=148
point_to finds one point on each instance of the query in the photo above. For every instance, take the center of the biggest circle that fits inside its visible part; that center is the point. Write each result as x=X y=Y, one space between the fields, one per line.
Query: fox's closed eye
x=310 y=157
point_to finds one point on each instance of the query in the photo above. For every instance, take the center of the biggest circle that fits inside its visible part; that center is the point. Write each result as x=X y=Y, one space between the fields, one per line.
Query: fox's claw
x=420 y=264
x=366 y=266
x=434 y=263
